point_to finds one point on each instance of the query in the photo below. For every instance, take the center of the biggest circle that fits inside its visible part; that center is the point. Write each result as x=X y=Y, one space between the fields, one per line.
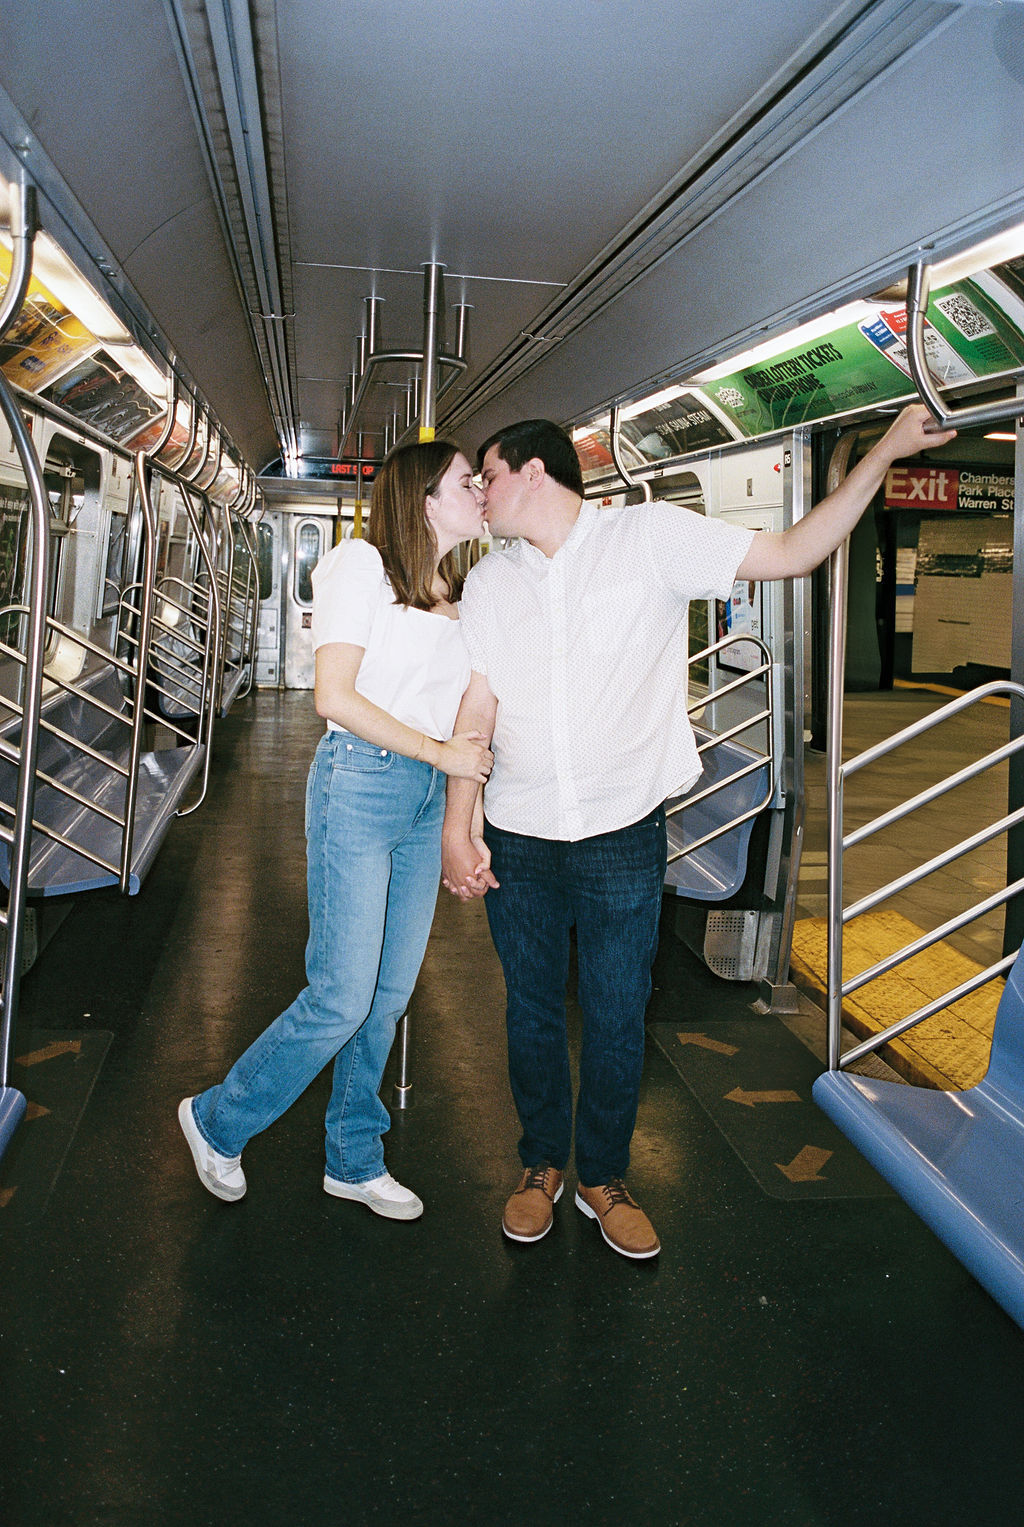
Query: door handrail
x=918 y=290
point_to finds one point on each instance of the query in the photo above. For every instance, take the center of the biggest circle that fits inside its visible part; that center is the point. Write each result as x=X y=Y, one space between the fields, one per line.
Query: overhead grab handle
x=918 y=290
x=620 y=465
x=429 y=385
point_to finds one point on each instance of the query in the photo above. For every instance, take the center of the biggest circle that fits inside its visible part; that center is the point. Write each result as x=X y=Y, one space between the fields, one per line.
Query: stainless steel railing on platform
x=839 y=843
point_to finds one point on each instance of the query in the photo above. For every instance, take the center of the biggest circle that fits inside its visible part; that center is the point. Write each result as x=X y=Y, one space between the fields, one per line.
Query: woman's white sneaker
x=221 y=1175
x=383 y=1195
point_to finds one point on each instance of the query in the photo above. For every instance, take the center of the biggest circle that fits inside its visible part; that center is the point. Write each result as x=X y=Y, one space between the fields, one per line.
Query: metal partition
x=839 y=916
x=760 y=756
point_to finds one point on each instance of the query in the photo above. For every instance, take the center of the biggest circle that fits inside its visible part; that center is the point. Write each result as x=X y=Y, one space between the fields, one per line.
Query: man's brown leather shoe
x=529 y=1212
x=620 y=1218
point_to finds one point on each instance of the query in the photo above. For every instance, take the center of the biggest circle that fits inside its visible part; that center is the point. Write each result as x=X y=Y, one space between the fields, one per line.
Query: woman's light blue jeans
x=373 y=835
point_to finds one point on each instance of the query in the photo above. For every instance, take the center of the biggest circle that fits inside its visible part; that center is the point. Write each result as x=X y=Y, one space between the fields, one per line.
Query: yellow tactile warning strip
x=949 y=1051
x=944 y=689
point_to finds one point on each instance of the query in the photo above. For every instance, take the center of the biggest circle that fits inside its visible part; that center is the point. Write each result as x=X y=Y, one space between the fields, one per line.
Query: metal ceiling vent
x=434 y=371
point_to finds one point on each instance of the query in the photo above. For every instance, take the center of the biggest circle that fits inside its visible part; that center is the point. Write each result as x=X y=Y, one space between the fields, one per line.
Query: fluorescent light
x=53 y=268
x=139 y=366
x=998 y=434
x=793 y=339
x=993 y=251
x=654 y=401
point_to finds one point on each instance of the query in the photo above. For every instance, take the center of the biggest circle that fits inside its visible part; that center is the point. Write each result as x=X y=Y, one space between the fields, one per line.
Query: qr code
x=730 y=397
x=963 y=315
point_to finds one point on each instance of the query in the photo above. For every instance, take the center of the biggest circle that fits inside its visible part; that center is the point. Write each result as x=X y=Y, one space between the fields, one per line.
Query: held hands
x=466 y=756
x=466 y=867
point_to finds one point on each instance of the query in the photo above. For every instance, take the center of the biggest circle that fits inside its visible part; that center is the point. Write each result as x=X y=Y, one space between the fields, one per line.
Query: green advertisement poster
x=967 y=336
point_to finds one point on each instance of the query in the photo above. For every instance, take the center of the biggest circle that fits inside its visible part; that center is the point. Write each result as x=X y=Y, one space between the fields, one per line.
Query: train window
x=308 y=551
x=71 y=473
x=14 y=520
x=265 y=560
x=114 y=573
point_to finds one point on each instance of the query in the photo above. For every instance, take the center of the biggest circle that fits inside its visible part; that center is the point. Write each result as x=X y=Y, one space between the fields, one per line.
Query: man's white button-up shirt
x=586 y=653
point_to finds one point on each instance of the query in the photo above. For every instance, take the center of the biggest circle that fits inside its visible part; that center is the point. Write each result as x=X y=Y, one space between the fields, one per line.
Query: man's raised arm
x=795 y=552
x=465 y=860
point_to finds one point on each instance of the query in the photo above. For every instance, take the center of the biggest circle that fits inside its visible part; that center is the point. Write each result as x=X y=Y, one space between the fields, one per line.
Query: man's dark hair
x=519 y=443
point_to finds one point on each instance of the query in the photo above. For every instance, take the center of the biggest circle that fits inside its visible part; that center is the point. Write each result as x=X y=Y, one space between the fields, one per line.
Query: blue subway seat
x=717 y=870
x=12 y=1111
x=957 y=1158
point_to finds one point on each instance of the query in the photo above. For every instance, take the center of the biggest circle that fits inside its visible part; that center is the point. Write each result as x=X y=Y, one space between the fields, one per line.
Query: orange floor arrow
x=6 y=1194
x=34 y=1111
x=50 y=1052
x=707 y=1044
x=749 y=1099
x=804 y=1166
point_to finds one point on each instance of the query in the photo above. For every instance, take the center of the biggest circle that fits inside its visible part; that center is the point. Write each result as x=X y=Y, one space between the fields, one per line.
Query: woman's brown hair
x=399 y=527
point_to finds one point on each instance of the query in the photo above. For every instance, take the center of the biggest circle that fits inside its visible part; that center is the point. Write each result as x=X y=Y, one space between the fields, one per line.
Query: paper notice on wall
x=942 y=626
x=887 y=333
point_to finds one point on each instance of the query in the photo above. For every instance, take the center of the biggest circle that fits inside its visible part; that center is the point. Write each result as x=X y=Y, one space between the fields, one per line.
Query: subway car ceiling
x=622 y=197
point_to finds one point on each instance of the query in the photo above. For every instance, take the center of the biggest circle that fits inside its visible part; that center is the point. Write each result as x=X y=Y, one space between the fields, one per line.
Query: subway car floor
x=802 y=1352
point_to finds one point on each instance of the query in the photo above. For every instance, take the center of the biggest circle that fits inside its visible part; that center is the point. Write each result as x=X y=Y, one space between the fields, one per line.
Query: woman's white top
x=415 y=665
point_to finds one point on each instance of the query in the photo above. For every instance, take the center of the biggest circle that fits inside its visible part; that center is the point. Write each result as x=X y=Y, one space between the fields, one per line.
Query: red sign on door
x=919 y=487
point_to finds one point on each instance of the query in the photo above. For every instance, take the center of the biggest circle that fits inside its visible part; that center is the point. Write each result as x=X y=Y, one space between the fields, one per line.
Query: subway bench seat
x=56 y=868
x=717 y=869
x=957 y=1158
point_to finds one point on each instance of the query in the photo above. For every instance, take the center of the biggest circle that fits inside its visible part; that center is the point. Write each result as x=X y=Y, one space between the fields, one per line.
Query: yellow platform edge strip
x=949 y=1051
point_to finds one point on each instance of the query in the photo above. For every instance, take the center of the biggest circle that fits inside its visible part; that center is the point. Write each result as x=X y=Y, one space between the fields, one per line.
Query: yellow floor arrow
x=6 y=1194
x=749 y=1099
x=50 y=1052
x=804 y=1166
x=707 y=1044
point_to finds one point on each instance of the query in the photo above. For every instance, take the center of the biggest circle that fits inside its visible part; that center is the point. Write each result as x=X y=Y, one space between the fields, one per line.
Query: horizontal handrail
x=939 y=862
x=58 y=837
x=918 y=291
x=936 y=718
x=11 y=754
x=840 y=843
x=758 y=758
x=972 y=984
x=736 y=731
x=723 y=784
x=927 y=940
x=934 y=792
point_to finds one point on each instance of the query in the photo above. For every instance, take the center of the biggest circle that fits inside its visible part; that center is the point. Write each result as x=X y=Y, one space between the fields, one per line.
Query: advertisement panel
x=44 y=340
x=967 y=336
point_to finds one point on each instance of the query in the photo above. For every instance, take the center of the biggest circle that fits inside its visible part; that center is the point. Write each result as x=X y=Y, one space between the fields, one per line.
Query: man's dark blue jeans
x=610 y=886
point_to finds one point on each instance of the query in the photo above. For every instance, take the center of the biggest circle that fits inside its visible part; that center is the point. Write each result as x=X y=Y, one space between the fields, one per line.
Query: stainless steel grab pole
x=620 y=466
x=23 y=229
x=918 y=290
x=433 y=288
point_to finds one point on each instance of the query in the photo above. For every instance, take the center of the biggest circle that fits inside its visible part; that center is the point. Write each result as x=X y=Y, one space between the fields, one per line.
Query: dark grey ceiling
x=620 y=191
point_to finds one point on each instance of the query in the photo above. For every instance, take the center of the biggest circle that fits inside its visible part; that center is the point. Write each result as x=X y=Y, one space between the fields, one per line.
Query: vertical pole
x=433 y=288
x=357 y=519
x=1013 y=928
x=462 y=311
x=401 y=1093
x=23 y=230
x=836 y=671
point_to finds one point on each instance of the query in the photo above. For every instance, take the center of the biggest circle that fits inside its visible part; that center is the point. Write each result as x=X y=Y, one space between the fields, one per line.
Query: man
x=577 y=633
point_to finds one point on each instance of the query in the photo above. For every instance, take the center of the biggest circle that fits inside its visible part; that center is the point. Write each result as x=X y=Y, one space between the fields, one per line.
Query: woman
x=390 y=672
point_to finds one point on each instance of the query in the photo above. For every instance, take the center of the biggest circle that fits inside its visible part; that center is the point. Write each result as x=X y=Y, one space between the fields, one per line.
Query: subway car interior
x=247 y=248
